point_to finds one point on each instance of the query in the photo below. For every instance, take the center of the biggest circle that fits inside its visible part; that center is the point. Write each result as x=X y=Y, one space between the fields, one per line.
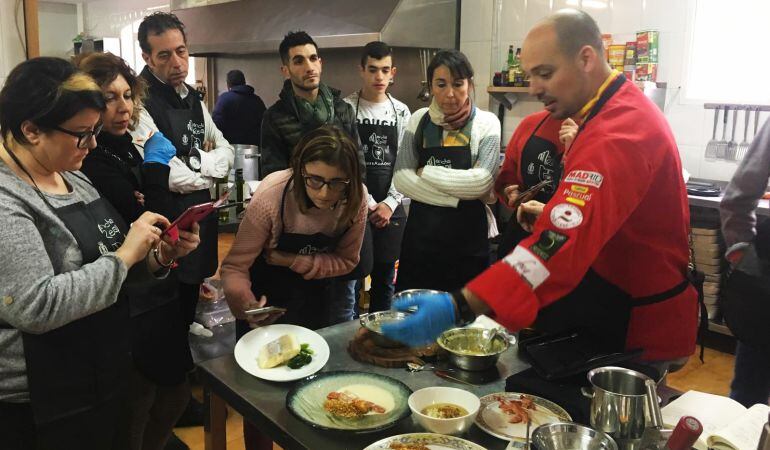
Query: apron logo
x=531 y=168
x=379 y=146
x=196 y=128
x=545 y=158
x=185 y=139
x=109 y=229
x=103 y=248
x=528 y=266
x=585 y=177
x=566 y=216
x=549 y=243
x=440 y=162
x=311 y=250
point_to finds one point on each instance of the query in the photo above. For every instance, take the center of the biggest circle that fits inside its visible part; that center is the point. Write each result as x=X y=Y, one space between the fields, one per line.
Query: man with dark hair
x=304 y=103
x=381 y=121
x=238 y=112
x=609 y=251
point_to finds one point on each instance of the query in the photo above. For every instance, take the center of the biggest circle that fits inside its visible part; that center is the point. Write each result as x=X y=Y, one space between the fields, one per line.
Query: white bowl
x=423 y=398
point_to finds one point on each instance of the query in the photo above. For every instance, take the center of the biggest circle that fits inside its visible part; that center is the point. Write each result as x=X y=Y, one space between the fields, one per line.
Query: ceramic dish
x=494 y=421
x=430 y=440
x=306 y=400
x=247 y=349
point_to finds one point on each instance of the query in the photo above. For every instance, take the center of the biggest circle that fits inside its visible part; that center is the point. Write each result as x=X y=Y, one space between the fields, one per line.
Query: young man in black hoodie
x=238 y=112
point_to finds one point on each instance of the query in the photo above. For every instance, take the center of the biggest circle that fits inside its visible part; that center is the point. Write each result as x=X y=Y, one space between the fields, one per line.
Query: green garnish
x=302 y=359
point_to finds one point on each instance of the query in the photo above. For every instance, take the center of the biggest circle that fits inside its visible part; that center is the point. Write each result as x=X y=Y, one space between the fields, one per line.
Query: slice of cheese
x=277 y=352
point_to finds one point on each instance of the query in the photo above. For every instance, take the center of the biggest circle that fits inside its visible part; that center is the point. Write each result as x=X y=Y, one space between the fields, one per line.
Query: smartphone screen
x=264 y=310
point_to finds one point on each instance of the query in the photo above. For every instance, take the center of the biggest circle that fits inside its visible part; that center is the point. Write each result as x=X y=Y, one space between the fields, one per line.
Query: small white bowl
x=423 y=398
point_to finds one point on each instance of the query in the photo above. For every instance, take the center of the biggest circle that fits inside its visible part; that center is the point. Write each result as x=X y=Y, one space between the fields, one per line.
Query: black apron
x=380 y=146
x=443 y=247
x=540 y=161
x=79 y=366
x=597 y=307
x=184 y=126
x=303 y=299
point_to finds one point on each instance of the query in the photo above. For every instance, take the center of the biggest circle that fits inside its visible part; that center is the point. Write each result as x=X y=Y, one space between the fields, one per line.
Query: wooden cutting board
x=363 y=349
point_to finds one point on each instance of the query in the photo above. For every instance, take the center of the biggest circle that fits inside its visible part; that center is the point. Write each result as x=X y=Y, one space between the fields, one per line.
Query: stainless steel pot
x=623 y=403
x=247 y=158
x=570 y=436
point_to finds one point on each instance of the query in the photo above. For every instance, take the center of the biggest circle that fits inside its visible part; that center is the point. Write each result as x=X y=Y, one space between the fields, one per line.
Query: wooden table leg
x=214 y=424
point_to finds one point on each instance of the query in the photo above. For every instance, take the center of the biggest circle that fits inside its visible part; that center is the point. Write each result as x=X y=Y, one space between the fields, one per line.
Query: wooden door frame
x=31 y=28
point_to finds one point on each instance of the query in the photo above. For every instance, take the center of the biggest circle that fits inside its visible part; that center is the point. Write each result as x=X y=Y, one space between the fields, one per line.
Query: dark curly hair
x=104 y=68
x=294 y=39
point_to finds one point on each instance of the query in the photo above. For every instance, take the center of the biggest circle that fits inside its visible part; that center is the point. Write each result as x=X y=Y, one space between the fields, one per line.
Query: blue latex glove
x=158 y=149
x=435 y=314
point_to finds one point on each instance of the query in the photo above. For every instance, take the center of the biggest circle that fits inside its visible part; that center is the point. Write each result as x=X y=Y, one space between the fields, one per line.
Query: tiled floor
x=713 y=376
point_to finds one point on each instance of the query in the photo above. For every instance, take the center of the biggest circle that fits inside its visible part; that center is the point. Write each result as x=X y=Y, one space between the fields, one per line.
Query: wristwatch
x=465 y=314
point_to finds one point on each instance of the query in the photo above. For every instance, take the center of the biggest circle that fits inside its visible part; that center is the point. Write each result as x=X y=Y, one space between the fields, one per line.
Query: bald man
x=609 y=251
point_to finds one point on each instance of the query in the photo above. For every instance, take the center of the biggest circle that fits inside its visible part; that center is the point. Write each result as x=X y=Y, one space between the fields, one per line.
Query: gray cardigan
x=43 y=283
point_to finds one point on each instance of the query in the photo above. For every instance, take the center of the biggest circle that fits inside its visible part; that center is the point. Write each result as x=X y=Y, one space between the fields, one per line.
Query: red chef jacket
x=620 y=219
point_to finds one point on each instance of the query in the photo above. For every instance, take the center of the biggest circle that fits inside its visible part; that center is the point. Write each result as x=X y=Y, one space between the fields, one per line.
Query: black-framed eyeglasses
x=83 y=136
x=316 y=182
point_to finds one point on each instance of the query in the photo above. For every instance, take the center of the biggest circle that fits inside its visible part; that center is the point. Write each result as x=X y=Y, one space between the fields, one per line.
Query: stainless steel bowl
x=471 y=349
x=373 y=322
x=570 y=436
x=408 y=293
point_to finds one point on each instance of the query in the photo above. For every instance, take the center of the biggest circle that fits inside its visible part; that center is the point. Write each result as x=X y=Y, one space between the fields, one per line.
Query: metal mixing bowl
x=373 y=322
x=471 y=349
x=570 y=436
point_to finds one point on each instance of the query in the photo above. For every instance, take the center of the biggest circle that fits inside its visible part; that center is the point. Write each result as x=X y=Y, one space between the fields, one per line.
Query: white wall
x=12 y=50
x=58 y=27
x=105 y=18
x=690 y=123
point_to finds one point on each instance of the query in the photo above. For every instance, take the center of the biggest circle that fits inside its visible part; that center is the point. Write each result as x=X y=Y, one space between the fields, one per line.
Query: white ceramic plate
x=430 y=440
x=247 y=350
x=497 y=423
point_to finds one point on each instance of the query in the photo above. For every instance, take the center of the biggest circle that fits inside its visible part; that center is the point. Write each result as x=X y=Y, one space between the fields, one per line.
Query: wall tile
x=691 y=159
x=688 y=123
x=476 y=21
x=478 y=54
x=664 y=15
x=601 y=12
x=671 y=54
x=535 y=11
x=717 y=170
x=626 y=17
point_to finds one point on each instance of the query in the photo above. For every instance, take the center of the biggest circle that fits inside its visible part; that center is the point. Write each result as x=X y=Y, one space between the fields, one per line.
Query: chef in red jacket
x=609 y=252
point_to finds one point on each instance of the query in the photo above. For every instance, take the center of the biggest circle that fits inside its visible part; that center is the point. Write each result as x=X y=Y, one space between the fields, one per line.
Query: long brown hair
x=104 y=68
x=330 y=145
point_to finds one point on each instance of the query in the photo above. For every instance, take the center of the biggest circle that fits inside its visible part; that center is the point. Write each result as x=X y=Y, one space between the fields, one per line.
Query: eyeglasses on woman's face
x=84 y=137
x=317 y=183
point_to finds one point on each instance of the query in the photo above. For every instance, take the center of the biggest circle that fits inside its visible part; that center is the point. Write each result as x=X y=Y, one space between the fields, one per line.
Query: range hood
x=258 y=26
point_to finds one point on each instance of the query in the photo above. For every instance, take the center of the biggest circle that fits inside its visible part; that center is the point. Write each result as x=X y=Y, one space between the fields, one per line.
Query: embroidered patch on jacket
x=528 y=266
x=566 y=216
x=575 y=201
x=549 y=243
x=585 y=177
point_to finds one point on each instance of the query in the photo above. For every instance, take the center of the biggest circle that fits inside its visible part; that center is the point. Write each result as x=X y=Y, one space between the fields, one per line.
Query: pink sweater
x=261 y=228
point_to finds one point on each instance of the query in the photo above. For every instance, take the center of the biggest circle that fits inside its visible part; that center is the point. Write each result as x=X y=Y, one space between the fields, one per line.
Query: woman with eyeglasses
x=303 y=225
x=134 y=179
x=64 y=338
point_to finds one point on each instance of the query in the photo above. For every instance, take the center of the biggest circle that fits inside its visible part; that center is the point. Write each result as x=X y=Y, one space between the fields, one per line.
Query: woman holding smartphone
x=303 y=226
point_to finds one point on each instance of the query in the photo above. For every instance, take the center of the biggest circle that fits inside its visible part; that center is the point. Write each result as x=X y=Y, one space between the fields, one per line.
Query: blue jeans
x=342 y=296
x=751 y=381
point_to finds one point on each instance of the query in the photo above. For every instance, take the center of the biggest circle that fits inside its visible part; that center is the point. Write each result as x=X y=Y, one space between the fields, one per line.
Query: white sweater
x=442 y=186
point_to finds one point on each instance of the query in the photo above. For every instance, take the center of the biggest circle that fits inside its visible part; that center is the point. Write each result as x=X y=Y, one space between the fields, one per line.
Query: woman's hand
x=244 y=301
x=141 y=237
x=528 y=213
x=187 y=242
x=279 y=258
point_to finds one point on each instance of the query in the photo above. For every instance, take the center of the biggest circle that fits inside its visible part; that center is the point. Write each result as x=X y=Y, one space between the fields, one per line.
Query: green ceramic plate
x=430 y=440
x=305 y=401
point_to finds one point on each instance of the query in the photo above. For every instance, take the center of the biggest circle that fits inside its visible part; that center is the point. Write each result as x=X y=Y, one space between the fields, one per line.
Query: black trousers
x=99 y=428
x=188 y=299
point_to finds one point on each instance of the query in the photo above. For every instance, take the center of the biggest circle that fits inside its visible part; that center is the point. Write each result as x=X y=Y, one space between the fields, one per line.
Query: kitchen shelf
x=507 y=95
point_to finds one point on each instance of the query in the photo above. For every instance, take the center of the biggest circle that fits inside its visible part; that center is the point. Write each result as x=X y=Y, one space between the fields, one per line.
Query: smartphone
x=527 y=195
x=264 y=310
x=194 y=214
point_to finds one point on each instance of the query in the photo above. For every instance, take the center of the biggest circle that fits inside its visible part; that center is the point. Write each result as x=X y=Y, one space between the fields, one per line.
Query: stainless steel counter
x=263 y=402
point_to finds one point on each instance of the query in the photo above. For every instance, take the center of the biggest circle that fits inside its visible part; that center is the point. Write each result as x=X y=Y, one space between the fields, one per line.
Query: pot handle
x=652 y=404
x=587 y=392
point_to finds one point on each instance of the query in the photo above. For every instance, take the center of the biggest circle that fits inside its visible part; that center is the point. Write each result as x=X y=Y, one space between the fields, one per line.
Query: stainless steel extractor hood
x=258 y=26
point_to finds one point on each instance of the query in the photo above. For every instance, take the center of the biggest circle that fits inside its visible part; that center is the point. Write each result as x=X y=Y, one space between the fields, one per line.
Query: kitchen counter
x=263 y=402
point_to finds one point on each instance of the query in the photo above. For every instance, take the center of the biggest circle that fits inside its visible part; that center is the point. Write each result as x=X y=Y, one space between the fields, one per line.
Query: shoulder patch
x=548 y=244
x=566 y=216
x=528 y=266
x=585 y=177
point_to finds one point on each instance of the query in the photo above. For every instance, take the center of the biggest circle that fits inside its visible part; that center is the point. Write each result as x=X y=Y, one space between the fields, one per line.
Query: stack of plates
x=709 y=250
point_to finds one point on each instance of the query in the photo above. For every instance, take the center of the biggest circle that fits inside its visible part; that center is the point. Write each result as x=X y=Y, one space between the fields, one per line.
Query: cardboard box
x=647 y=47
x=617 y=55
x=646 y=72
